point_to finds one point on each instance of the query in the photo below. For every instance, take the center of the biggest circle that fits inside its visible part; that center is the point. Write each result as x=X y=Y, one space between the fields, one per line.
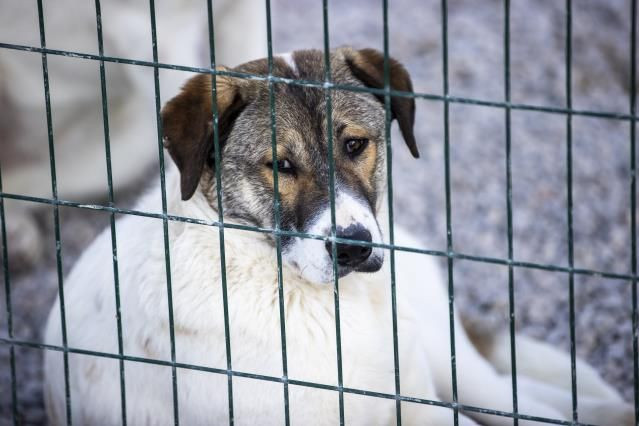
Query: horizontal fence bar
x=235 y=373
x=323 y=85
x=439 y=253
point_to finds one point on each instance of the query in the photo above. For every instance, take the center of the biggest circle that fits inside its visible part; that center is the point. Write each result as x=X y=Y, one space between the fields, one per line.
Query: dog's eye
x=355 y=147
x=283 y=166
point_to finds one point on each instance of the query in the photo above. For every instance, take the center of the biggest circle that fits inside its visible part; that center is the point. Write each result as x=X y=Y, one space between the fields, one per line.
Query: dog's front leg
x=543 y=373
x=417 y=380
x=423 y=295
x=479 y=385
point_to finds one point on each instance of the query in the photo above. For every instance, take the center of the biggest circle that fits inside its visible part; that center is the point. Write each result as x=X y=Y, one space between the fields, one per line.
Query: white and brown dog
x=246 y=163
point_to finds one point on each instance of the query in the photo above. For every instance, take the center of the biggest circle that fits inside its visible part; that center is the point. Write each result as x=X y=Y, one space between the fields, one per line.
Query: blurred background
x=601 y=148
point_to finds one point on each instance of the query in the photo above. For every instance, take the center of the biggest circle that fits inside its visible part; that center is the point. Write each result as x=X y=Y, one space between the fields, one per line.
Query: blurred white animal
x=240 y=30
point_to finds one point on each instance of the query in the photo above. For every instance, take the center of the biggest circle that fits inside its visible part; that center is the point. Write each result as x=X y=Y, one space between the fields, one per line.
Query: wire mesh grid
x=328 y=86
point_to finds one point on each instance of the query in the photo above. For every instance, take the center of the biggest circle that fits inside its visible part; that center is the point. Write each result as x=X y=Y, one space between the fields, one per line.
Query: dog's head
x=246 y=163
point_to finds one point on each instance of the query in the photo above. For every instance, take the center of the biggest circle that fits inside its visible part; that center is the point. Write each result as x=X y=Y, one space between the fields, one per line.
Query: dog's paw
x=24 y=239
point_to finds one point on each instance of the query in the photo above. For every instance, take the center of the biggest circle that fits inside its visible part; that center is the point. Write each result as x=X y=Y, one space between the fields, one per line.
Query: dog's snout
x=350 y=254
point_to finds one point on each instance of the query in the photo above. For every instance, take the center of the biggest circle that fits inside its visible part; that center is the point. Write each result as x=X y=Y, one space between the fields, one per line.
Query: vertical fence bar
x=7 y=290
x=633 y=200
x=571 y=263
x=509 y=210
x=449 y=229
x=391 y=227
x=165 y=223
x=56 y=212
x=220 y=210
x=331 y=188
x=276 y=208
x=114 y=249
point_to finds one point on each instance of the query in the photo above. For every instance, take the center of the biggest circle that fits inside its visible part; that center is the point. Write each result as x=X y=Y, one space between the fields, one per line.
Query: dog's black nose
x=347 y=254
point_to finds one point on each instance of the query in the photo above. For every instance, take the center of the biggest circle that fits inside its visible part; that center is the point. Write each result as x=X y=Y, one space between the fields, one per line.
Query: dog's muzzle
x=355 y=223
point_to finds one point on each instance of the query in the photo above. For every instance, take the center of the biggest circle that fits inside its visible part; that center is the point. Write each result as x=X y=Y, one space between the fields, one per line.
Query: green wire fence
x=328 y=87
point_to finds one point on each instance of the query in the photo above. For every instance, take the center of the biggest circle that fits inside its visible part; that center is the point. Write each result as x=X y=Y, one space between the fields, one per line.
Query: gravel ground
x=601 y=213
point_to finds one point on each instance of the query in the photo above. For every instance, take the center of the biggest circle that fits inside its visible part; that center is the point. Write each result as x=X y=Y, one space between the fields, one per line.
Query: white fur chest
x=200 y=331
x=255 y=332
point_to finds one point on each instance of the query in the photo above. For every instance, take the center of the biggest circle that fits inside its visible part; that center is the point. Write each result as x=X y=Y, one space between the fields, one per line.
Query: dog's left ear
x=368 y=66
x=187 y=124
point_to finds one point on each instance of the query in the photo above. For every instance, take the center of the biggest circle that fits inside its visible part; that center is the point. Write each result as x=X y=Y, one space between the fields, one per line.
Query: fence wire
x=220 y=210
x=509 y=210
x=114 y=245
x=56 y=213
x=633 y=199
x=328 y=86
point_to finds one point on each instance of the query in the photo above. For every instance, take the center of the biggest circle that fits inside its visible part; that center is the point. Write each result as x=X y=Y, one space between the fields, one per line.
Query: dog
x=250 y=284
x=76 y=97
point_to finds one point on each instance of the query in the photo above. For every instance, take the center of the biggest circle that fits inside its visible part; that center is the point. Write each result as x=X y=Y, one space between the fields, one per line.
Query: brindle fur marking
x=247 y=181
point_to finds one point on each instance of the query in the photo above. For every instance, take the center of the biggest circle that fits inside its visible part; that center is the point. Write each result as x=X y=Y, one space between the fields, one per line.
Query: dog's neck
x=251 y=266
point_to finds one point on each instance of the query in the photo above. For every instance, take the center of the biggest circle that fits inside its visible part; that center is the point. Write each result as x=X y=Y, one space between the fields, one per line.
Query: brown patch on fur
x=288 y=186
x=351 y=130
x=481 y=337
x=365 y=163
x=294 y=142
x=187 y=124
x=291 y=146
x=368 y=66
x=245 y=134
x=365 y=167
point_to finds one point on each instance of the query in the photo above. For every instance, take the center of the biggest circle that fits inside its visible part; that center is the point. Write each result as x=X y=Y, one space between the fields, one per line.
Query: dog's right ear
x=187 y=124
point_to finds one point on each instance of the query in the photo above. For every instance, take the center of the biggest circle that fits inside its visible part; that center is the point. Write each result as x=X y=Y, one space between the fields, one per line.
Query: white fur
x=288 y=58
x=254 y=323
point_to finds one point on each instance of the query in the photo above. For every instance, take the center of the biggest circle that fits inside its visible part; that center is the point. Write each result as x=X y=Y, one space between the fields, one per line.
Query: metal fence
x=328 y=87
